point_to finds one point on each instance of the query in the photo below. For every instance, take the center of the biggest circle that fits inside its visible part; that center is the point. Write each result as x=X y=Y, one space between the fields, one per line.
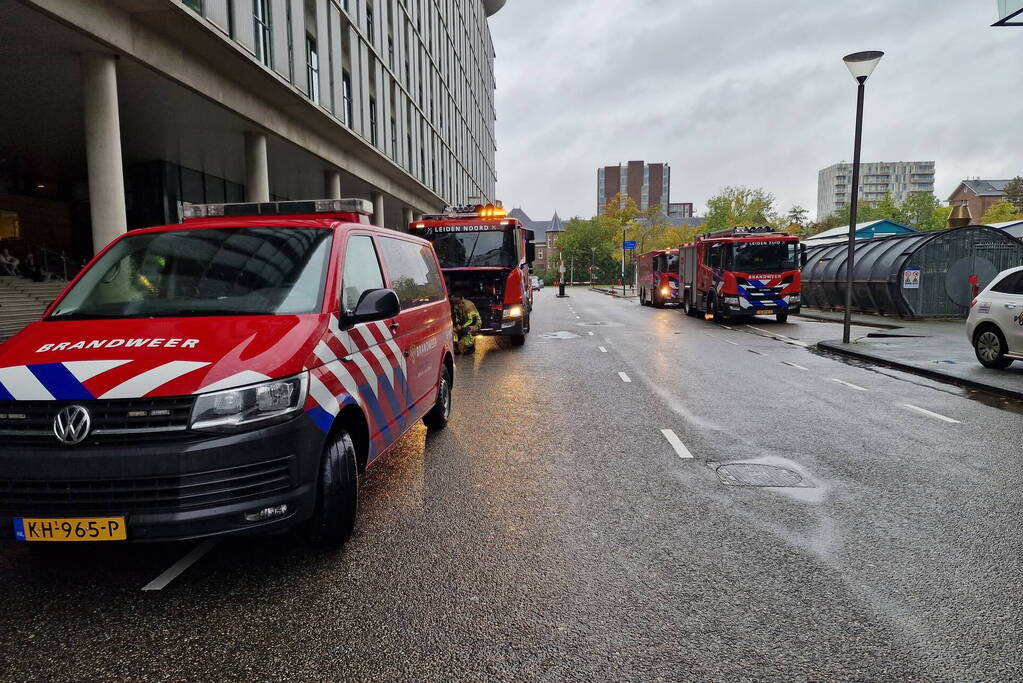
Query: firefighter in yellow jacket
x=467 y=322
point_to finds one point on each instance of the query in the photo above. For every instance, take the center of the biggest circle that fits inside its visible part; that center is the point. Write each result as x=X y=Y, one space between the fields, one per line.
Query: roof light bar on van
x=306 y=206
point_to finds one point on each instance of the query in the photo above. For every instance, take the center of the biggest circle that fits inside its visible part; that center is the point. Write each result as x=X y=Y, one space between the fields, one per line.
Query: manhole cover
x=756 y=474
x=560 y=335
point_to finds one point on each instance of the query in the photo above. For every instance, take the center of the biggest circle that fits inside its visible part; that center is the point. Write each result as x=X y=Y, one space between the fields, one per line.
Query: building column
x=378 y=208
x=257 y=173
x=406 y=216
x=331 y=185
x=103 y=148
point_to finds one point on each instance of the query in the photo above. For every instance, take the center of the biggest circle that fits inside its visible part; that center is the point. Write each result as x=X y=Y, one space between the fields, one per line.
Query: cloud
x=749 y=92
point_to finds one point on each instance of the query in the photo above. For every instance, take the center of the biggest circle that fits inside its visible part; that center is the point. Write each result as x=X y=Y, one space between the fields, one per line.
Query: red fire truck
x=657 y=277
x=743 y=271
x=485 y=256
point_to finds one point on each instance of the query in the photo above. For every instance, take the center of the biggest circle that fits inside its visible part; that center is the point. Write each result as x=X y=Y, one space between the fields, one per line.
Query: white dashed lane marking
x=176 y=569
x=625 y=378
x=677 y=444
x=795 y=365
x=602 y=349
x=848 y=384
x=928 y=413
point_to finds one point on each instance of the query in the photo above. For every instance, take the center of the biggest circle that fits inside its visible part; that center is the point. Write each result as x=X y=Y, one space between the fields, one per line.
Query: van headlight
x=513 y=312
x=236 y=410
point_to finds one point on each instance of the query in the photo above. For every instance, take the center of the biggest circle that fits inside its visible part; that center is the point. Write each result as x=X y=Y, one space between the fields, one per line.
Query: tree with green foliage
x=920 y=210
x=740 y=206
x=1014 y=193
x=1001 y=212
x=588 y=241
x=797 y=215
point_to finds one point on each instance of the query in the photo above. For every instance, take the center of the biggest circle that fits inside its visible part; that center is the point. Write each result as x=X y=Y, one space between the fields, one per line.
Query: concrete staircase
x=23 y=301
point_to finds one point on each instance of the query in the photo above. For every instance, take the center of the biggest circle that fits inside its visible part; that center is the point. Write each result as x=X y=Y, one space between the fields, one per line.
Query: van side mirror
x=374 y=304
x=530 y=252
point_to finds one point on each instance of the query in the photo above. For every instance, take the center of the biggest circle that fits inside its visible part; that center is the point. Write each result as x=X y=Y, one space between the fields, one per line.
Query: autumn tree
x=1001 y=212
x=1014 y=193
x=740 y=206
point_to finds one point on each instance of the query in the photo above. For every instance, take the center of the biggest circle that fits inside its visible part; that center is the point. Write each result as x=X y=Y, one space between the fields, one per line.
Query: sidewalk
x=933 y=348
x=616 y=290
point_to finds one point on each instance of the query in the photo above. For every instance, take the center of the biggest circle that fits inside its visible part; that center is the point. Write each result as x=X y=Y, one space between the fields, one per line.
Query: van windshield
x=211 y=272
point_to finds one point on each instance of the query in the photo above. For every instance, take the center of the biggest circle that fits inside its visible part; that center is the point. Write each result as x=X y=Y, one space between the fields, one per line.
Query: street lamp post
x=861 y=65
x=593 y=256
x=623 y=261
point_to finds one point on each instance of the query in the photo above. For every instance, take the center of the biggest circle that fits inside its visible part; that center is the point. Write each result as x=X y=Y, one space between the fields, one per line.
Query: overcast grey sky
x=747 y=92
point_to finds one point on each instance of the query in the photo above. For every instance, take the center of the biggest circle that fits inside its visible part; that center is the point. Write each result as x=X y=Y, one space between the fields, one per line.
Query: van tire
x=990 y=347
x=337 y=499
x=517 y=339
x=440 y=413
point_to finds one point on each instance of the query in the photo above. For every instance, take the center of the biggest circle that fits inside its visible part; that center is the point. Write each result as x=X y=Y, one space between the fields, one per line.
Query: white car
x=995 y=323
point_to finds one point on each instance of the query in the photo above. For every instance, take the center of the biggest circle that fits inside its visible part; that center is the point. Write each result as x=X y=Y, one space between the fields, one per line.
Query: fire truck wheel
x=437 y=418
x=782 y=317
x=337 y=501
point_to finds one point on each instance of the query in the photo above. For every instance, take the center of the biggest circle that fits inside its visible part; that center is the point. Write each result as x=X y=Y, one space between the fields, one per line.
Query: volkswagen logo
x=72 y=425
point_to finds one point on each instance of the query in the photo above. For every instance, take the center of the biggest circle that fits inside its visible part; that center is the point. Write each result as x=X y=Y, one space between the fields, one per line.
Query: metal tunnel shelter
x=921 y=275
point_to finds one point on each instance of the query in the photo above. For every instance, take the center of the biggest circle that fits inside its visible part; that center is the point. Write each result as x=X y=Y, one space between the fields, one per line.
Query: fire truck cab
x=657 y=274
x=741 y=272
x=486 y=257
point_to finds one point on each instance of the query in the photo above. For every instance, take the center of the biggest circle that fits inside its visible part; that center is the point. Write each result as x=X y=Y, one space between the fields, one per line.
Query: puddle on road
x=559 y=335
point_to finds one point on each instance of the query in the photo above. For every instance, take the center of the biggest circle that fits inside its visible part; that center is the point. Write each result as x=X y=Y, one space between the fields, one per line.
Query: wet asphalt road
x=552 y=532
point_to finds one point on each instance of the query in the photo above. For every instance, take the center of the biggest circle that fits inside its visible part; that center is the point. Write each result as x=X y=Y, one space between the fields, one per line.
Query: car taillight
x=973 y=303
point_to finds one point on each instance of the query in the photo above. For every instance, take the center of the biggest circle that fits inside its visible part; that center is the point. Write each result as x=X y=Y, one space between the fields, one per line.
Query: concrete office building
x=877 y=179
x=116 y=111
x=647 y=184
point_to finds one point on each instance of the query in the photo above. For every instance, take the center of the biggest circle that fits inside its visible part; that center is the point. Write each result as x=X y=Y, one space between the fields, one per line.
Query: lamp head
x=862 y=64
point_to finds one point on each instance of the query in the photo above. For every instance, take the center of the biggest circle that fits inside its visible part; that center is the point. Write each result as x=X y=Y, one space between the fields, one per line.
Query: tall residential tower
x=877 y=179
x=647 y=184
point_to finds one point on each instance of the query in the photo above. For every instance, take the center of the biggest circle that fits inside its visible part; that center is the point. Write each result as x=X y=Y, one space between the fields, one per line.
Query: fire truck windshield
x=212 y=272
x=495 y=248
x=763 y=257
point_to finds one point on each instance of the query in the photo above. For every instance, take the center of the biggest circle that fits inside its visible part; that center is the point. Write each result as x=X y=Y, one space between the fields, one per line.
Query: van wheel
x=337 y=500
x=440 y=413
x=517 y=339
x=990 y=346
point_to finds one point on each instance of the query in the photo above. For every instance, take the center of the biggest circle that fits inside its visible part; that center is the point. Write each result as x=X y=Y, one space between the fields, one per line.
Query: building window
x=539 y=254
x=261 y=23
x=312 y=68
x=194 y=5
x=346 y=94
x=394 y=139
x=390 y=52
x=373 y=121
x=369 y=24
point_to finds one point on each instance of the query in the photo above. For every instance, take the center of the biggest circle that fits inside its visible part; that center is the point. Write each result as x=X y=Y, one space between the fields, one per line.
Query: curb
x=835 y=347
x=858 y=323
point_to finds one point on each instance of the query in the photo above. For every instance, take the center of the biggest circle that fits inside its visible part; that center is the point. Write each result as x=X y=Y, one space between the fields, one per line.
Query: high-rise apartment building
x=877 y=179
x=647 y=184
x=127 y=109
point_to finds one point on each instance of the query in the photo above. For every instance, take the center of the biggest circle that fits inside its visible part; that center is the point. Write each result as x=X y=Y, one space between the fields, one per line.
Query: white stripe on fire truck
x=142 y=384
x=398 y=355
x=23 y=385
x=84 y=370
x=321 y=394
x=374 y=348
x=238 y=380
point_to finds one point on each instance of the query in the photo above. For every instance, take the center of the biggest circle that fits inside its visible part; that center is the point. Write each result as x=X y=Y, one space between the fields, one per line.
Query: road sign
x=561 y=269
x=1010 y=13
x=629 y=244
x=911 y=278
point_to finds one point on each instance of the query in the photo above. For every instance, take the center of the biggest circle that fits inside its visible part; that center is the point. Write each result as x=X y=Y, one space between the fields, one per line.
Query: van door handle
x=394 y=326
x=1012 y=306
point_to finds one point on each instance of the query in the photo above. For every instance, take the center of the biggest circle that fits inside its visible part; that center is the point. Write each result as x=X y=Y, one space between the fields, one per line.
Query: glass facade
x=439 y=101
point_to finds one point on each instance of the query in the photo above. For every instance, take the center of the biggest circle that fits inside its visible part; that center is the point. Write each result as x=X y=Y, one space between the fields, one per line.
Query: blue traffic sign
x=629 y=244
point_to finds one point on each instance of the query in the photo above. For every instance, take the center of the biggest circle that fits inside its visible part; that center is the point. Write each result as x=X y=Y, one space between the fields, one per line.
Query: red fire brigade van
x=744 y=271
x=485 y=257
x=657 y=277
x=231 y=375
